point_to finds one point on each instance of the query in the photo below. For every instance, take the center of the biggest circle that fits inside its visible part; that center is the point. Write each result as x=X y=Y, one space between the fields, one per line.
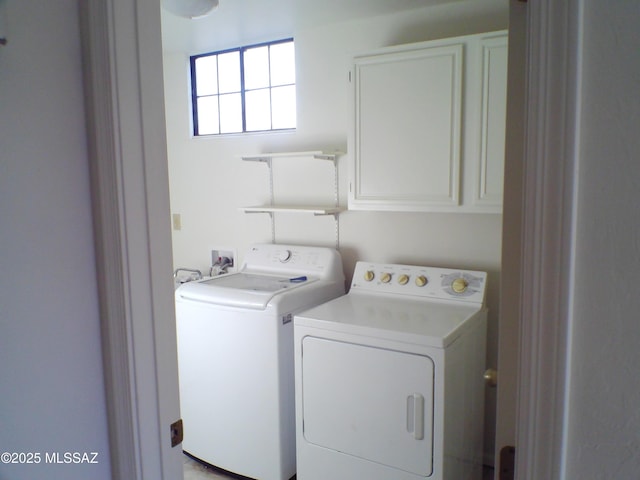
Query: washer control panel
x=293 y=260
x=434 y=282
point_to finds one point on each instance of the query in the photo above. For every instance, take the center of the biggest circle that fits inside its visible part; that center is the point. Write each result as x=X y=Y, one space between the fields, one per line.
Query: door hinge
x=177 y=433
x=507 y=463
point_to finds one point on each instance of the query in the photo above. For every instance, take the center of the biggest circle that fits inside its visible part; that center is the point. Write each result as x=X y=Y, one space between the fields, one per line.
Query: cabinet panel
x=493 y=121
x=408 y=95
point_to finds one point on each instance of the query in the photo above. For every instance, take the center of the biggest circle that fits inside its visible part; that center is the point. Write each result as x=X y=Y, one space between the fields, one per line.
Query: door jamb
x=130 y=197
x=551 y=151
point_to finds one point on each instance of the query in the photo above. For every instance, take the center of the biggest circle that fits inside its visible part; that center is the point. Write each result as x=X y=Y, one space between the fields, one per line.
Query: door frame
x=552 y=115
x=122 y=52
x=124 y=98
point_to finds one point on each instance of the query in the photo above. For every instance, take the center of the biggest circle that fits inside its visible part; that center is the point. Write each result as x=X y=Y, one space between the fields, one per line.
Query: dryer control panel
x=432 y=282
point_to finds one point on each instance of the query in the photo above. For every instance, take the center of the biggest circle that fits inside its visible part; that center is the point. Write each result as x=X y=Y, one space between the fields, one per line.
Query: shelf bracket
x=273 y=222
x=268 y=158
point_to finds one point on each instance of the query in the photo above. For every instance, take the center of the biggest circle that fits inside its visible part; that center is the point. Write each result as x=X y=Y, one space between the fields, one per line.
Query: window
x=248 y=89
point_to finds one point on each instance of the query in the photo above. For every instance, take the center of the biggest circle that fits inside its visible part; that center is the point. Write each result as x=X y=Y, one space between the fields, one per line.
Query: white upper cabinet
x=428 y=126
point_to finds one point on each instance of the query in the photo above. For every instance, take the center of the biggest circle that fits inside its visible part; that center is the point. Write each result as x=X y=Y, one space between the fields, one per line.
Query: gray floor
x=196 y=471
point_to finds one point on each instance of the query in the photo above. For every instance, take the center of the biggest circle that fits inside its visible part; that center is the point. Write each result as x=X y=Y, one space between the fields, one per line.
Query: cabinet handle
x=415 y=415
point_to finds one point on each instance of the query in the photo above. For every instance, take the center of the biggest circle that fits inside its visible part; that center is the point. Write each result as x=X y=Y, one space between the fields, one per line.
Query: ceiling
x=243 y=22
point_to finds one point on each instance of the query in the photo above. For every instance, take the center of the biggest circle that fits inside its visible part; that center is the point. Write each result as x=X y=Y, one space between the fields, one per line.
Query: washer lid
x=406 y=319
x=244 y=290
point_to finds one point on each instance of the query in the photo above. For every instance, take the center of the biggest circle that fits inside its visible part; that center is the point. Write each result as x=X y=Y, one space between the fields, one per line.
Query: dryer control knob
x=369 y=275
x=284 y=256
x=385 y=278
x=403 y=279
x=459 y=285
x=421 y=281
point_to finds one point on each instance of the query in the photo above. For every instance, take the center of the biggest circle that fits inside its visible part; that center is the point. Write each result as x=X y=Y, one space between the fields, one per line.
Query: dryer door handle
x=415 y=415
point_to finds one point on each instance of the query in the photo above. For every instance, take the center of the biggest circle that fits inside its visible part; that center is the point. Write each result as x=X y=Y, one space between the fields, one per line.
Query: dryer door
x=369 y=402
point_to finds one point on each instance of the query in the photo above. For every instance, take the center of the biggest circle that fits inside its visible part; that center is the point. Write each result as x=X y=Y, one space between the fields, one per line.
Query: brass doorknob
x=491 y=377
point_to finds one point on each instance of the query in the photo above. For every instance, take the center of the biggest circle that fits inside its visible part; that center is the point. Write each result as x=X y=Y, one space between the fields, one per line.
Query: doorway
x=206 y=171
x=219 y=177
x=143 y=74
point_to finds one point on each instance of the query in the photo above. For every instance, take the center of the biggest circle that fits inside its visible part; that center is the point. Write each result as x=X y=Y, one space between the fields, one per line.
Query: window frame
x=243 y=90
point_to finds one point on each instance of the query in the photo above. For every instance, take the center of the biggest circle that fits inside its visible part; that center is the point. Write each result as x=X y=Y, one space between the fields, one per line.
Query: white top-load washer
x=235 y=356
x=389 y=378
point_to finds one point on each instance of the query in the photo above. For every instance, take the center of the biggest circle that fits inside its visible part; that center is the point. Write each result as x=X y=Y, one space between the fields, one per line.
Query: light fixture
x=190 y=8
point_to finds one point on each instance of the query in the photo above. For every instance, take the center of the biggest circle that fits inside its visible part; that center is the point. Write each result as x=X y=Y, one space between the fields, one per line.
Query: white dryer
x=389 y=378
x=235 y=357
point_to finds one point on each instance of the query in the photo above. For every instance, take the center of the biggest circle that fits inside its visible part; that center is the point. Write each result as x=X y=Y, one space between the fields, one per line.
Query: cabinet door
x=406 y=138
x=493 y=122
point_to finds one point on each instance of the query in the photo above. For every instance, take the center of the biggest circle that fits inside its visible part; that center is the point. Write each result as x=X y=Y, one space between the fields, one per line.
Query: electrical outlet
x=177 y=221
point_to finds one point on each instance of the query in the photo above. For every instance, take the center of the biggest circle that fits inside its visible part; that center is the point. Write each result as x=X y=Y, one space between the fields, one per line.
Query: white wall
x=52 y=397
x=604 y=392
x=209 y=182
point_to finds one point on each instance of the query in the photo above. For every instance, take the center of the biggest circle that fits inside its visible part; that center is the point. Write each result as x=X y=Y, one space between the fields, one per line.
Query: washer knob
x=284 y=256
x=385 y=278
x=459 y=285
x=369 y=275
x=403 y=279
x=421 y=281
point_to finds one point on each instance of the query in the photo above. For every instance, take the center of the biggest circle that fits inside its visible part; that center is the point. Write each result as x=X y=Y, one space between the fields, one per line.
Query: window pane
x=283 y=64
x=255 y=95
x=256 y=68
x=229 y=72
x=207 y=75
x=258 y=110
x=284 y=107
x=208 y=115
x=230 y=113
